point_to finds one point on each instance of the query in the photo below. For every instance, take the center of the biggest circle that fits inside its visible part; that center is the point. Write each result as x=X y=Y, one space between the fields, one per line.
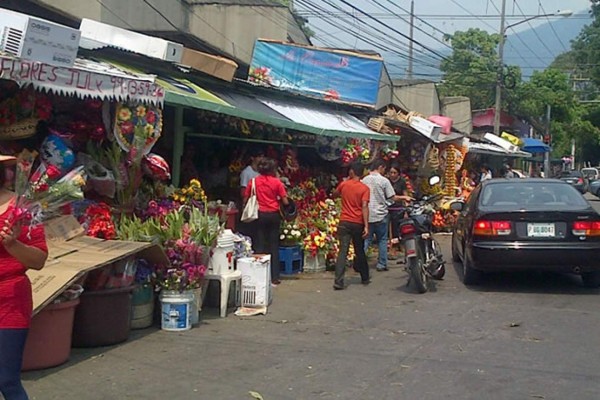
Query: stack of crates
x=291 y=260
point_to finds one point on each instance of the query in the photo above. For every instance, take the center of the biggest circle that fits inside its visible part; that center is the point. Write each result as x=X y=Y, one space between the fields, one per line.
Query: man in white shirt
x=247 y=174
x=382 y=195
x=251 y=171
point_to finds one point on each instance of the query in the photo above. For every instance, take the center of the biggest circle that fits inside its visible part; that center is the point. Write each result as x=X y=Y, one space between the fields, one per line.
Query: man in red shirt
x=354 y=225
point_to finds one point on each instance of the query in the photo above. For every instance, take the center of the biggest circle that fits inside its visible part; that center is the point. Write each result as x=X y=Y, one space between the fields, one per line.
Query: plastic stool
x=291 y=260
x=225 y=285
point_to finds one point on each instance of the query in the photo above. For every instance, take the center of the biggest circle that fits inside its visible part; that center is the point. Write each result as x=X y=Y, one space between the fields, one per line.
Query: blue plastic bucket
x=176 y=310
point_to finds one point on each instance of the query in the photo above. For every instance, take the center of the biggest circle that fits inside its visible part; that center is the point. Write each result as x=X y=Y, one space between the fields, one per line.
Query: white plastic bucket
x=176 y=313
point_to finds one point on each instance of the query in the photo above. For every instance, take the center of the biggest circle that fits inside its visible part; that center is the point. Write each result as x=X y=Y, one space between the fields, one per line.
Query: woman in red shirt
x=20 y=249
x=269 y=192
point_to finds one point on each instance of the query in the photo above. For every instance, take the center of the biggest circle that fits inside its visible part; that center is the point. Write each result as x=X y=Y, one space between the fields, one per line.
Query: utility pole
x=547 y=154
x=409 y=71
x=498 y=106
x=573 y=154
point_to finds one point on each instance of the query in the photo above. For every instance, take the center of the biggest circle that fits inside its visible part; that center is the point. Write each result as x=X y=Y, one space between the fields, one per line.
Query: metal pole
x=178 y=144
x=547 y=154
x=498 y=106
x=409 y=71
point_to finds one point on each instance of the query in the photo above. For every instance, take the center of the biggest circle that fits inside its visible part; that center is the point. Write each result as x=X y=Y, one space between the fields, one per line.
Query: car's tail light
x=586 y=228
x=579 y=181
x=407 y=229
x=492 y=228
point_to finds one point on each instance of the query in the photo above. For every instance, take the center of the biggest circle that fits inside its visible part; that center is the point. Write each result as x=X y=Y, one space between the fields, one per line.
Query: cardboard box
x=219 y=67
x=256 y=280
x=71 y=255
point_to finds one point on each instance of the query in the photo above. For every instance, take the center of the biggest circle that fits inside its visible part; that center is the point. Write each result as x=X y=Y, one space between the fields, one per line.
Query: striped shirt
x=382 y=194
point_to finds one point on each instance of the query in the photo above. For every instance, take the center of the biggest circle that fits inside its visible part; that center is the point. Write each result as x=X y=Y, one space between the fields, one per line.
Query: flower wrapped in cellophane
x=44 y=193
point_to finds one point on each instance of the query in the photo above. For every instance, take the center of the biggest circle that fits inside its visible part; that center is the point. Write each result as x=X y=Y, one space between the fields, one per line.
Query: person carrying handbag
x=269 y=193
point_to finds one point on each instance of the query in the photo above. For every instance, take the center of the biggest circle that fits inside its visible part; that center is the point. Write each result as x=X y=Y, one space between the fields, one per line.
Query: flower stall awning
x=185 y=93
x=87 y=78
x=323 y=120
x=492 y=149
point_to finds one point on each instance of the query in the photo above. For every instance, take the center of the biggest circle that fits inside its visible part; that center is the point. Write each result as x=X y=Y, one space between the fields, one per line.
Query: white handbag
x=250 y=212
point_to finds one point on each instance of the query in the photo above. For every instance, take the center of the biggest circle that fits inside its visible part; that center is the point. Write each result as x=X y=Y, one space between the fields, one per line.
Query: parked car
x=542 y=224
x=590 y=173
x=575 y=178
x=594 y=188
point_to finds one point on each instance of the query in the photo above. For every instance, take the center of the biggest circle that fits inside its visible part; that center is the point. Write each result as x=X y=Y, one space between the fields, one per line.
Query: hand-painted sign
x=86 y=79
x=340 y=76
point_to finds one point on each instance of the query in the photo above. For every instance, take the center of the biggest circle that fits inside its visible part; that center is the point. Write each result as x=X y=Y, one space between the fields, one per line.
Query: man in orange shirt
x=354 y=225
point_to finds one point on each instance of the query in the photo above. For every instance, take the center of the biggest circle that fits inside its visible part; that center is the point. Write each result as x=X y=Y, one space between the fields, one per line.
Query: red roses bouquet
x=44 y=193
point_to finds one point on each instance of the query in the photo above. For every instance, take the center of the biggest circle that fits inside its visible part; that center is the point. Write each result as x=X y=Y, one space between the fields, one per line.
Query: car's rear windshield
x=569 y=174
x=532 y=195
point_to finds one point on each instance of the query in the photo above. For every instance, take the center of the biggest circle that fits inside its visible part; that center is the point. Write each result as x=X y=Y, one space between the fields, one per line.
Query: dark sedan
x=543 y=224
x=576 y=179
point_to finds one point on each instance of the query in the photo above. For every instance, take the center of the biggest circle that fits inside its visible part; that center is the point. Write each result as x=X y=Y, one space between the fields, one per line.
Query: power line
x=516 y=34
x=370 y=40
x=552 y=27
x=385 y=38
x=394 y=30
x=458 y=17
x=114 y=13
x=533 y=29
x=416 y=27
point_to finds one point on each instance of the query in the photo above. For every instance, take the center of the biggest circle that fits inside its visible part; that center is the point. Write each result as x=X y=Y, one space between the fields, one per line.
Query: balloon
x=156 y=167
x=54 y=151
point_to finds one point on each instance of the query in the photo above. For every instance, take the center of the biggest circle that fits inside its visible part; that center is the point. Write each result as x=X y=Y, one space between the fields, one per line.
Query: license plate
x=541 y=230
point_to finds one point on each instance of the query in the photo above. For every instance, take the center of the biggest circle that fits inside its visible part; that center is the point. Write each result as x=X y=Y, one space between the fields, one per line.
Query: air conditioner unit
x=36 y=39
x=131 y=41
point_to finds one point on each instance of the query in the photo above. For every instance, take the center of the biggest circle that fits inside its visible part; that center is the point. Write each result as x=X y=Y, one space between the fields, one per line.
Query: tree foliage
x=471 y=70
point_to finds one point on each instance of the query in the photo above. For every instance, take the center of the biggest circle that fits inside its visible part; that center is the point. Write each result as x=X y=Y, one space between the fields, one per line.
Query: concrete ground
x=519 y=336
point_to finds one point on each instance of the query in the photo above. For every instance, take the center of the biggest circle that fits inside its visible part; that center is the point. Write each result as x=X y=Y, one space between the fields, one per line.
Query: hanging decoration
x=139 y=119
x=450 y=183
x=356 y=150
x=330 y=148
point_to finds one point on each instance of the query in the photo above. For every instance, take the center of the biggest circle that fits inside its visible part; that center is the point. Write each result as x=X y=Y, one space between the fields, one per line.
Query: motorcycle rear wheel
x=418 y=275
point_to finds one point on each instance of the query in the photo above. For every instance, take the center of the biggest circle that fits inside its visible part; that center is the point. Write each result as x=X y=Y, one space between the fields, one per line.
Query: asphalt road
x=516 y=336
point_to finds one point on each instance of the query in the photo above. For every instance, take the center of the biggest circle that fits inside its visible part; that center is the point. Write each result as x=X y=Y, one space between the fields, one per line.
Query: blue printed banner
x=330 y=75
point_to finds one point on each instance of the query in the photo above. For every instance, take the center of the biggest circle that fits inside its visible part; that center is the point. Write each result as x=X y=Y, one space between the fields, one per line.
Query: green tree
x=586 y=47
x=472 y=68
x=569 y=119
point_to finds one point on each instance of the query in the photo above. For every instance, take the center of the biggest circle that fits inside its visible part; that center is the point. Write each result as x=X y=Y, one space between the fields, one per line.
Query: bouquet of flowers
x=389 y=152
x=290 y=234
x=192 y=193
x=355 y=150
x=98 y=222
x=44 y=193
x=187 y=270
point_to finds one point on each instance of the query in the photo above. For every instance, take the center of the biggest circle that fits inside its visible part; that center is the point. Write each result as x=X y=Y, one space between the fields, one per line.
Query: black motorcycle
x=424 y=259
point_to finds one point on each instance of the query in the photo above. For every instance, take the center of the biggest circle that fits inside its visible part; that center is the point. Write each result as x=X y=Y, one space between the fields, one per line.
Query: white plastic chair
x=225 y=286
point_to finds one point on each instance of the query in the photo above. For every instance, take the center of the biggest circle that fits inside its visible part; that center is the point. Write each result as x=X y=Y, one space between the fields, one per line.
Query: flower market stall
x=51 y=118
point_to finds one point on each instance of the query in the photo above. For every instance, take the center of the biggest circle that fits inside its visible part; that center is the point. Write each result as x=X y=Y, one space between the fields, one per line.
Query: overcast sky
x=439 y=16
